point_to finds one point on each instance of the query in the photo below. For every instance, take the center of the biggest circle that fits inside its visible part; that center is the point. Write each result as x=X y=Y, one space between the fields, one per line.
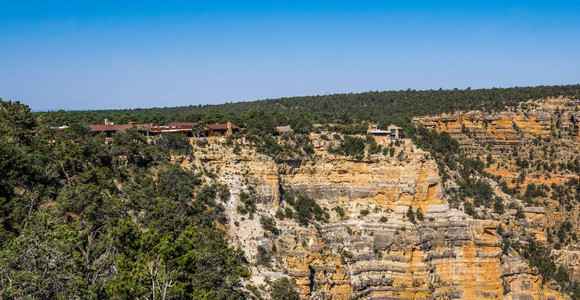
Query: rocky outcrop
x=373 y=250
x=508 y=127
x=536 y=143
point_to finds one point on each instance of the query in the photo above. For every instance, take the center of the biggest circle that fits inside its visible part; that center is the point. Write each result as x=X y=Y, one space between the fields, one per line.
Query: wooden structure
x=222 y=129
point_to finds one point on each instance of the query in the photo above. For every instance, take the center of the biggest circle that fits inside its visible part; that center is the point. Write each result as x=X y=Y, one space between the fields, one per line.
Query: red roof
x=221 y=126
x=180 y=124
x=104 y=128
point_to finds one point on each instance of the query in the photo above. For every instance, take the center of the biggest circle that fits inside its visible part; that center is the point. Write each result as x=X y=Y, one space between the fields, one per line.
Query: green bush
x=285 y=289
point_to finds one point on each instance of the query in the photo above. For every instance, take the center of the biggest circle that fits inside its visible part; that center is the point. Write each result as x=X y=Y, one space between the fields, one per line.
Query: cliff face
x=373 y=249
x=508 y=128
x=533 y=150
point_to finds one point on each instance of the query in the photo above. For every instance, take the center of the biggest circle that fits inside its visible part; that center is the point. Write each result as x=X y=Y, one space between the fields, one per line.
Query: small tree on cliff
x=285 y=289
x=420 y=215
x=411 y=215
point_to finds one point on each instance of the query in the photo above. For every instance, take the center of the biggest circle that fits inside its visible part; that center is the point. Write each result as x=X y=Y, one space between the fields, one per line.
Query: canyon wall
x=373 y=250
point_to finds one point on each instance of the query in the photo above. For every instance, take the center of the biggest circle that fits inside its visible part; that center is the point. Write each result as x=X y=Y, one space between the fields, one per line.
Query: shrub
x=269 y=224
x=498 y=206
x=411 y=215
x=339 y=211
x=307 y=209
x=201 y=142
x=468 y=208
x=520 y=213
x=237 y=148
x=352 y=146
x=263 y=257
x=420 y=215
x=285 y=289
x=279 y=213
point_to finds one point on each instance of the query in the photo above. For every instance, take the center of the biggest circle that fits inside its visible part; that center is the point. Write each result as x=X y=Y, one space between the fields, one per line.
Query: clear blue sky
x=80 y=54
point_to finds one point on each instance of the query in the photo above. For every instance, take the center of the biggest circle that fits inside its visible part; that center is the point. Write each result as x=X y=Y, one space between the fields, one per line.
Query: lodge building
x=393 y=132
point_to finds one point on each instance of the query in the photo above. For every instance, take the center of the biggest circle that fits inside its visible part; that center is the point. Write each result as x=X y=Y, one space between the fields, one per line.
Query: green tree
x=16 y=120
x=43 y=261
x=196 y=264
x=411 y=215
x=285 y=289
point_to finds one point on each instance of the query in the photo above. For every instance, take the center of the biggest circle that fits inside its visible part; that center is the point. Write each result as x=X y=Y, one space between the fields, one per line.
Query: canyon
x=374 y=249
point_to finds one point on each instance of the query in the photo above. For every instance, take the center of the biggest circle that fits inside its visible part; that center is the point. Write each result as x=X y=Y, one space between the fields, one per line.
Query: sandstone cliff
x=533 y=151
x=372 y=250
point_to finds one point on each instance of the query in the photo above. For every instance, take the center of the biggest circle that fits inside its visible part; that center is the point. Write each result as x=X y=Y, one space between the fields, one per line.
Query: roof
x=284 y=129
x=379 y=131
x=164 y=129
x=221 y=126
x=180 y=124
x=104 y=128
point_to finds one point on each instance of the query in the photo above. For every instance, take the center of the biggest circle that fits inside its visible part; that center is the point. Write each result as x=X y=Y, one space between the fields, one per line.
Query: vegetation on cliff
x=81 y=217
x=86 y=216
x=302 y=112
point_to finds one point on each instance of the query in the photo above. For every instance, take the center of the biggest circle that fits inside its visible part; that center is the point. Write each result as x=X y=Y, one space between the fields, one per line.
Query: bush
x=339 y=211
x=307 y=209
x=520 y=213
x=176 y=143
x=351 y=146
x=201 y=142
x=411 y=215
x=420 y=215
x=498 y=206
x=249 y=205
x=279 y=213
x=285 y=289
x=237 y=149
x=269 y=224
x=289 y=212
x=468 y=208
x=263 y=257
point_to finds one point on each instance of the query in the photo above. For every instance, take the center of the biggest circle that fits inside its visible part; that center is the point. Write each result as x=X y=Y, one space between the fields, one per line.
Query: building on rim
x=222 y=129
x=280 y=130
x=393 y=132
x=174 y=127
x=108 y=128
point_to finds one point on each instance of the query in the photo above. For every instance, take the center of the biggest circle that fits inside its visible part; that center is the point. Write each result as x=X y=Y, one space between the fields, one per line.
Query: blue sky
x=126 y=54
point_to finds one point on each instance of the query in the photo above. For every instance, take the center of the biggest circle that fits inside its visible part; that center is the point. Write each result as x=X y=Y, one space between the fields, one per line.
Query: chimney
x=229 y=131
x=106 y=121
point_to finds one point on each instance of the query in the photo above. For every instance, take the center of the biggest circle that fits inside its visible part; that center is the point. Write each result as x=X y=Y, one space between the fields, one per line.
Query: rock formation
x=373 y=250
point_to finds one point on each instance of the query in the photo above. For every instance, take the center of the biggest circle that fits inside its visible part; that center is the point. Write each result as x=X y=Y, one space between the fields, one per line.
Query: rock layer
x=374 y=251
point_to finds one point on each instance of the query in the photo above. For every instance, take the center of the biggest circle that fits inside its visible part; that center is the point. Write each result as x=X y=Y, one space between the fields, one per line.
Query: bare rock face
x=504 y=128
x=373 y=251
x=535 y=144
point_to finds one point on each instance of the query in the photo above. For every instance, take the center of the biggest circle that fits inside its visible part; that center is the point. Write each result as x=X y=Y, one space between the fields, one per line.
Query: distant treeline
x=337 y=108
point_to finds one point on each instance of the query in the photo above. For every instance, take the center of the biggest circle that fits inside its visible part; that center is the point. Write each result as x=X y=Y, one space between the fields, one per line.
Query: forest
x=302 y=112
x=84 y=218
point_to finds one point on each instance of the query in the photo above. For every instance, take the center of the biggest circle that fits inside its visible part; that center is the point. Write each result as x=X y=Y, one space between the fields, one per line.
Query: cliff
x=532 y=150
x=368 y=247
